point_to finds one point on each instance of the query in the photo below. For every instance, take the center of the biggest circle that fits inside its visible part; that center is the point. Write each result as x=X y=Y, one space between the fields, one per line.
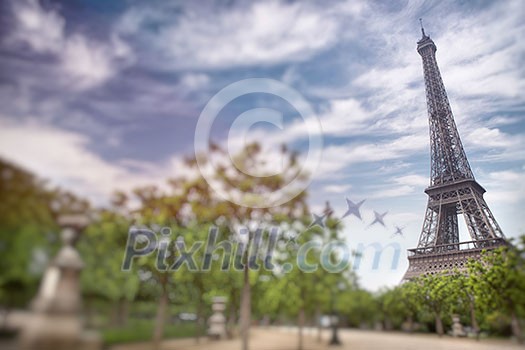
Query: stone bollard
x=457 y=327
x=217 y=321
x=55 y=321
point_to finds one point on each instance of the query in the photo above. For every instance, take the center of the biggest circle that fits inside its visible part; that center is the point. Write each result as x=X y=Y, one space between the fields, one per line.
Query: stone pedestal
x=55 y=322
x=457 y=328
x=217 y=321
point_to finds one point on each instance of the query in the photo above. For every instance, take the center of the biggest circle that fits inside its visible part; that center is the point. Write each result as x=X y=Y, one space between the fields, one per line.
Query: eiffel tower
x=452 y=191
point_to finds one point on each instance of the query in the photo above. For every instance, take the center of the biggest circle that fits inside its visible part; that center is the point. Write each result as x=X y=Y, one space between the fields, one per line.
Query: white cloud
x=56 y=154
x=492 y=138
x=42 y=30
x=493 y=74
x=338 y=157
x=400 y=186
x=412 y=180
x=337 y=188
x=396 y=191
x=195 y=81
x=262 y=33
x=345 y=117
x=506 y=186
x=335 y=157
x=84 y=63
x=64 y=158
x=390 y=78
x=500 y=120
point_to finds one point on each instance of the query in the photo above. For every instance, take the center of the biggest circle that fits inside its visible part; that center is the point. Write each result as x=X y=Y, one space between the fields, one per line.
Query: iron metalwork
x=453 y=189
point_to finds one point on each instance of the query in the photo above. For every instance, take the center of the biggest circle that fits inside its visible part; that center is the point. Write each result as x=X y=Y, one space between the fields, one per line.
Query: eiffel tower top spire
x=422 y=29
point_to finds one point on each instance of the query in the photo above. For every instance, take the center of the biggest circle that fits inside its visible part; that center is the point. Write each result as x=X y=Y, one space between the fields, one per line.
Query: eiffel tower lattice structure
x=453 y=189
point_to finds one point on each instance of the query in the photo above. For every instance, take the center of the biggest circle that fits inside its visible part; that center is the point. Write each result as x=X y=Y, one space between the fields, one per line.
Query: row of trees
x=490 y=295
x=186 y=212
x=188 y=208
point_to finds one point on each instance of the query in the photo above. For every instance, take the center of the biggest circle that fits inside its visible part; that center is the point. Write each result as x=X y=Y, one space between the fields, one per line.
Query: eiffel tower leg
x=479 y=219
x=489 y=218
x=448 y=230
x=430 y=225
x=440 y=227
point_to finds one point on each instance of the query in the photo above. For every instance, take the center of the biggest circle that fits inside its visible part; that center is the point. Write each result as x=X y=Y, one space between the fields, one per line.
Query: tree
x=360 y=307
x=392 y=308
x=158 y=212
x=253 y=191
x=29 y=232
x=464 y=296
x=25 y=220
x=436 y=295
x=190 y=208
x=499 y=281
x=102 y=277
x=408 y=296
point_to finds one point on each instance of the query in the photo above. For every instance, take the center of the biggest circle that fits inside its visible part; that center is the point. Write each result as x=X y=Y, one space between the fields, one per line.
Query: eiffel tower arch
x=453 y=189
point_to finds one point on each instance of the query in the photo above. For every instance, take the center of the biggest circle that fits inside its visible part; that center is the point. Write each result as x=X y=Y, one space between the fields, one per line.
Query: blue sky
x=99 y=95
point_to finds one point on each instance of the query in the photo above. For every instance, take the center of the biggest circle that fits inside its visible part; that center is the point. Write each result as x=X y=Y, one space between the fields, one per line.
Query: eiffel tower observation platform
x=446 y=258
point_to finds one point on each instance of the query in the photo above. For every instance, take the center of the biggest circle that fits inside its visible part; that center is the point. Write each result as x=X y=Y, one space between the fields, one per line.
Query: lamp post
x=335 y=317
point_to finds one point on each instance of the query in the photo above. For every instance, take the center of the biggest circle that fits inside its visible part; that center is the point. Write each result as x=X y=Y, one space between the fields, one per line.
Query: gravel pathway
x=286 y=339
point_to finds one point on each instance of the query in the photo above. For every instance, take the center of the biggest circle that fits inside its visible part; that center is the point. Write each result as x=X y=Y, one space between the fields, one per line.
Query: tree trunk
x=301 y=327
x=232 y=305
x=439 y=325
x=90 y=312
x=388 y=324
x=5 y=314
x=160 y=320
x=516 y=328
x=318 y=320
x=245 y=309
x=123 y=314
x=114 y=317
x=410 y=324
x=198 y=321
x=473 y=320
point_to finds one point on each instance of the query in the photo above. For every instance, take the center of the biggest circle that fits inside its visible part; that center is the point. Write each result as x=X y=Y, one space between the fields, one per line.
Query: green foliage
x=491 y=293
x=392 y=308
x=499 y=278
x=140 y=330
x=360 y=308
x=28 y=231
x=488 y=296
x=498 y=282
x=101 y=249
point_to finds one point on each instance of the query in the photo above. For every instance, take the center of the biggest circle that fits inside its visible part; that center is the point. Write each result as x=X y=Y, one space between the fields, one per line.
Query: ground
x=286 y=339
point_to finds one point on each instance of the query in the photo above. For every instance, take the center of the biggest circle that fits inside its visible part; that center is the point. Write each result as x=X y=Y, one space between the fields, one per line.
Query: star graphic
x=399 y=231
x=292 y=244
x=353 y=208
x=318 y=220
x=378 y=218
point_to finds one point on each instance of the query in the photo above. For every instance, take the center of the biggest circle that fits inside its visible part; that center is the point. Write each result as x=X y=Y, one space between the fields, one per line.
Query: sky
x=103 y=95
